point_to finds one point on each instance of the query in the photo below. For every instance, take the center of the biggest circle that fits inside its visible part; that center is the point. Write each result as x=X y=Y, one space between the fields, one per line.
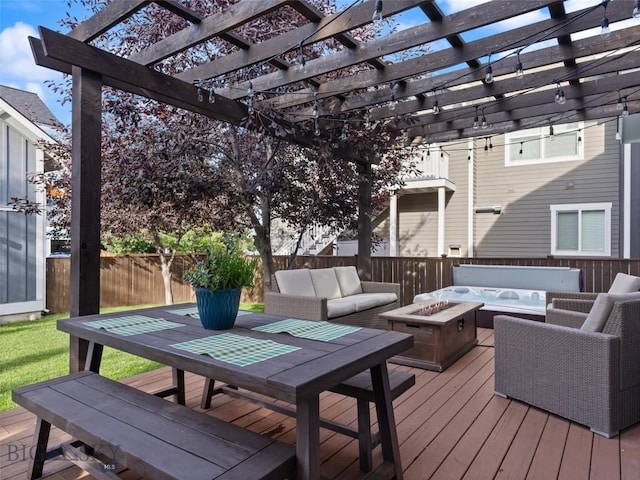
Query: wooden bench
x=156 y=438
x=358 y=387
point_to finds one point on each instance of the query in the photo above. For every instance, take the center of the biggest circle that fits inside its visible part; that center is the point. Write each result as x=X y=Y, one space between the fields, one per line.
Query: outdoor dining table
x=287 y=359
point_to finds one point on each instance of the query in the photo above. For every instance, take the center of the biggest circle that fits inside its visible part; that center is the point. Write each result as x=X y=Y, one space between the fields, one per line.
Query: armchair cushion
x=325 y=283
x=624 y=283
x=599 y=314
x=348 y=280
x=295 y=282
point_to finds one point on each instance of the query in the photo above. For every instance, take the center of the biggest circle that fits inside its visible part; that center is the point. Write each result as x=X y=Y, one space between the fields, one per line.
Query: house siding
x=526 y=192
x=18 y=232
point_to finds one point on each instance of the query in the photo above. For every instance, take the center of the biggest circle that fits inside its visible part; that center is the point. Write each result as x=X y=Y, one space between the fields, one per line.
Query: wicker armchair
x=622 y=283
x=592 y=378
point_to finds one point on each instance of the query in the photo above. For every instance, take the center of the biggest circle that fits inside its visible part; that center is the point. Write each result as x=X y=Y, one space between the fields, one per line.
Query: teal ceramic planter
x=218 y=310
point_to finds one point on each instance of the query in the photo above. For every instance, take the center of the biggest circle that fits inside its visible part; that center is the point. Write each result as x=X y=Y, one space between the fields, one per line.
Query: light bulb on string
x=519 y=69
x=392 y=97
x=520 y=152
x=377 y=12
x=476 y=122
x=636 y=9
x=550 y=128
x=488 y=76
x=301 y=60
x=619 y=104
x=199 y=91
x=486 y=146
x=343 y=132
x=316 y=128
x=436 y=106
x=212 y=95
x=367 y=119
x=484 y=123
x=605 y=31
x=625 y=108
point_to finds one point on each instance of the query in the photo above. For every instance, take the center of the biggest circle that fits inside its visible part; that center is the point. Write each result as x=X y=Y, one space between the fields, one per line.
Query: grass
x=34 y=350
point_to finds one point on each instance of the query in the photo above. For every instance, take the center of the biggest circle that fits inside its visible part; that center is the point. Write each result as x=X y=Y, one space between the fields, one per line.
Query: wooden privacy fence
x=137 y=279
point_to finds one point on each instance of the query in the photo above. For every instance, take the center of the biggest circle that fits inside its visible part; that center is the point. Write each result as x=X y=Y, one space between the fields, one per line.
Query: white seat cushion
x=624 y=283
x=295 y=282
x=601 y=309
x=365 y=301
x=348 y=280
x=339 y=307
x=325 y=283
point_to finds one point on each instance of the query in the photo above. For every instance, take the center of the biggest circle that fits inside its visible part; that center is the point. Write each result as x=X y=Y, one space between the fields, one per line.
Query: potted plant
x=218 y=280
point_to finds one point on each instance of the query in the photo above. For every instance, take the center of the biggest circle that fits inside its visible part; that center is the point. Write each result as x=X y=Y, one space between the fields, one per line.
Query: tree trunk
x=165 y=266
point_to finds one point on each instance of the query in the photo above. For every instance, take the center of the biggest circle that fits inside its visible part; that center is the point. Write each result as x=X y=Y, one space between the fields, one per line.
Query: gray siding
x=18 y=232
x=526 y=193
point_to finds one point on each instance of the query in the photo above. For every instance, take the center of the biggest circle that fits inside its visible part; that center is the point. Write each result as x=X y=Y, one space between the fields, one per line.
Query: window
x=581 y=229
x=537 y=146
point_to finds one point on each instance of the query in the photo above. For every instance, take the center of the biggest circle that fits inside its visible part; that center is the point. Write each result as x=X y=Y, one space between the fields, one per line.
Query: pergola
x=468 y=83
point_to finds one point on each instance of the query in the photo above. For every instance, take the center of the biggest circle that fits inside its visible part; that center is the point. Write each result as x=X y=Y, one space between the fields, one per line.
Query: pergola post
x=85 y=188
x=364 y=220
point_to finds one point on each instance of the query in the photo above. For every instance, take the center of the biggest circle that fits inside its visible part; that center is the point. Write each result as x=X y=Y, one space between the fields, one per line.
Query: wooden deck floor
x=450 y=426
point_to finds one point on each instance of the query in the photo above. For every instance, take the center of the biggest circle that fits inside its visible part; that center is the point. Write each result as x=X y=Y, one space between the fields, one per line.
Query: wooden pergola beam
x=65 y=49
x=432 y=62
x=532 y=61
x=210 y=27
x=395 y=42
x=328 y=27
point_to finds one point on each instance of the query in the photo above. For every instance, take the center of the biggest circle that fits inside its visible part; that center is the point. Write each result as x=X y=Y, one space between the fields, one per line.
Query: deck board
x=450 y=426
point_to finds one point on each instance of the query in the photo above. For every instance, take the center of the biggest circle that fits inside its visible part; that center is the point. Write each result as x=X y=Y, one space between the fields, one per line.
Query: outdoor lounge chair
x=588 y=372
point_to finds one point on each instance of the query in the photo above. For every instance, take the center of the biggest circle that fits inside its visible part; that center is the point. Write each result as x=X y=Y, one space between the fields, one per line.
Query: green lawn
x=34 y=350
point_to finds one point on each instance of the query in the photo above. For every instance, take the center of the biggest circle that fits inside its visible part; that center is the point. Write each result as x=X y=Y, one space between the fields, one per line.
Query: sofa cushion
x=325 y=283
x=295 y=282
x=624 y=283
x=339 y=307
x=599 y=314
x=348 y=280
x=364 y=301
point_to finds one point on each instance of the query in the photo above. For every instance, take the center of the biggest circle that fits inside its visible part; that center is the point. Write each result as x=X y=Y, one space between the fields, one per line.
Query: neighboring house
x=23 y=120
x=523 y=194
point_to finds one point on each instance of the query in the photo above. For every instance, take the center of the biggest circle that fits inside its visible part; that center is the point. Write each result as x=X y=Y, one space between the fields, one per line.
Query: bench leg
x=41 y=439
x=364 y=436
x=207 y=393
x=178 y=382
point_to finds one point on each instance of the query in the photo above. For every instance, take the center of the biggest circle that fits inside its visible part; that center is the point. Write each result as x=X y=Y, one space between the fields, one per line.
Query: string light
x=367 y=118
x=343 y=133
x=441 y=152
x=392 y=97
x=250 y=97
x=619 y=104
x=316 y=128
x=625 y=108
x=436 y=107
x=301 y=60
x=488 y=76
x=560 y=98
x=484 y=123
x=212 y=95
x=519 y=70
x=636 y=9
x=476 y=123
x=200 y=92
x=605 y=31
x=520 y=152
x=377 y=12
x=550 y=128
x=486 y=146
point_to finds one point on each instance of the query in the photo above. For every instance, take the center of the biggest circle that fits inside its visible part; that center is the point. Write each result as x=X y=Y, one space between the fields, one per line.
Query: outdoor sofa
x=581 y=366
x=331 y=294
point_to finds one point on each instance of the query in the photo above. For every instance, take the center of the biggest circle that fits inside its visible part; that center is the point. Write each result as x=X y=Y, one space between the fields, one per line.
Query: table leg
x=78 y=348
x=386 y=418
x=308 y=439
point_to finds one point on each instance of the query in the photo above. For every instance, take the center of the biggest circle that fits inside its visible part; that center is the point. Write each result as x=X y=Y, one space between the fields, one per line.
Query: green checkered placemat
x=313 y=330
x=133 y=324
x=193 y=312
x=236 y=349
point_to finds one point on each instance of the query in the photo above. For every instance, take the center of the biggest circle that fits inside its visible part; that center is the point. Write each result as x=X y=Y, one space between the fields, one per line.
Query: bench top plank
x=148 y=434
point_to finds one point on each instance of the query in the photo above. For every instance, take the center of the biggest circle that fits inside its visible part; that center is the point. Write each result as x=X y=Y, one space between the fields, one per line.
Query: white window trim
x=579 y=207
x=541 y=133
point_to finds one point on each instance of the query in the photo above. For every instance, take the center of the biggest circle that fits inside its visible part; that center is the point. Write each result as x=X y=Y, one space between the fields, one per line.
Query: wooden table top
x=315 y=367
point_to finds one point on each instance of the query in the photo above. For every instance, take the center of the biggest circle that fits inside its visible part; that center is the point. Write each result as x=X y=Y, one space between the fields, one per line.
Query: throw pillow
x=601 y=309
x=624 y=283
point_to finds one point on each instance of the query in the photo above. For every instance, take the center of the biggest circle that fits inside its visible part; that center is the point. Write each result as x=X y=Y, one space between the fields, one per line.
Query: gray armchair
x=590 y=377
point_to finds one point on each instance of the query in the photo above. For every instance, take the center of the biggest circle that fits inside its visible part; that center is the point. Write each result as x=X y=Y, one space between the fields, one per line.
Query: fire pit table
x=443 y=331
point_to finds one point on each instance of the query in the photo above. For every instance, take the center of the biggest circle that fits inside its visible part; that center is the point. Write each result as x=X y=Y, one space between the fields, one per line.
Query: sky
x=20 y=19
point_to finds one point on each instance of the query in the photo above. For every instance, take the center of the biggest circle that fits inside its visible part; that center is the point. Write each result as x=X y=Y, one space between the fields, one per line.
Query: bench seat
x=156 y=438
x=359 y=387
